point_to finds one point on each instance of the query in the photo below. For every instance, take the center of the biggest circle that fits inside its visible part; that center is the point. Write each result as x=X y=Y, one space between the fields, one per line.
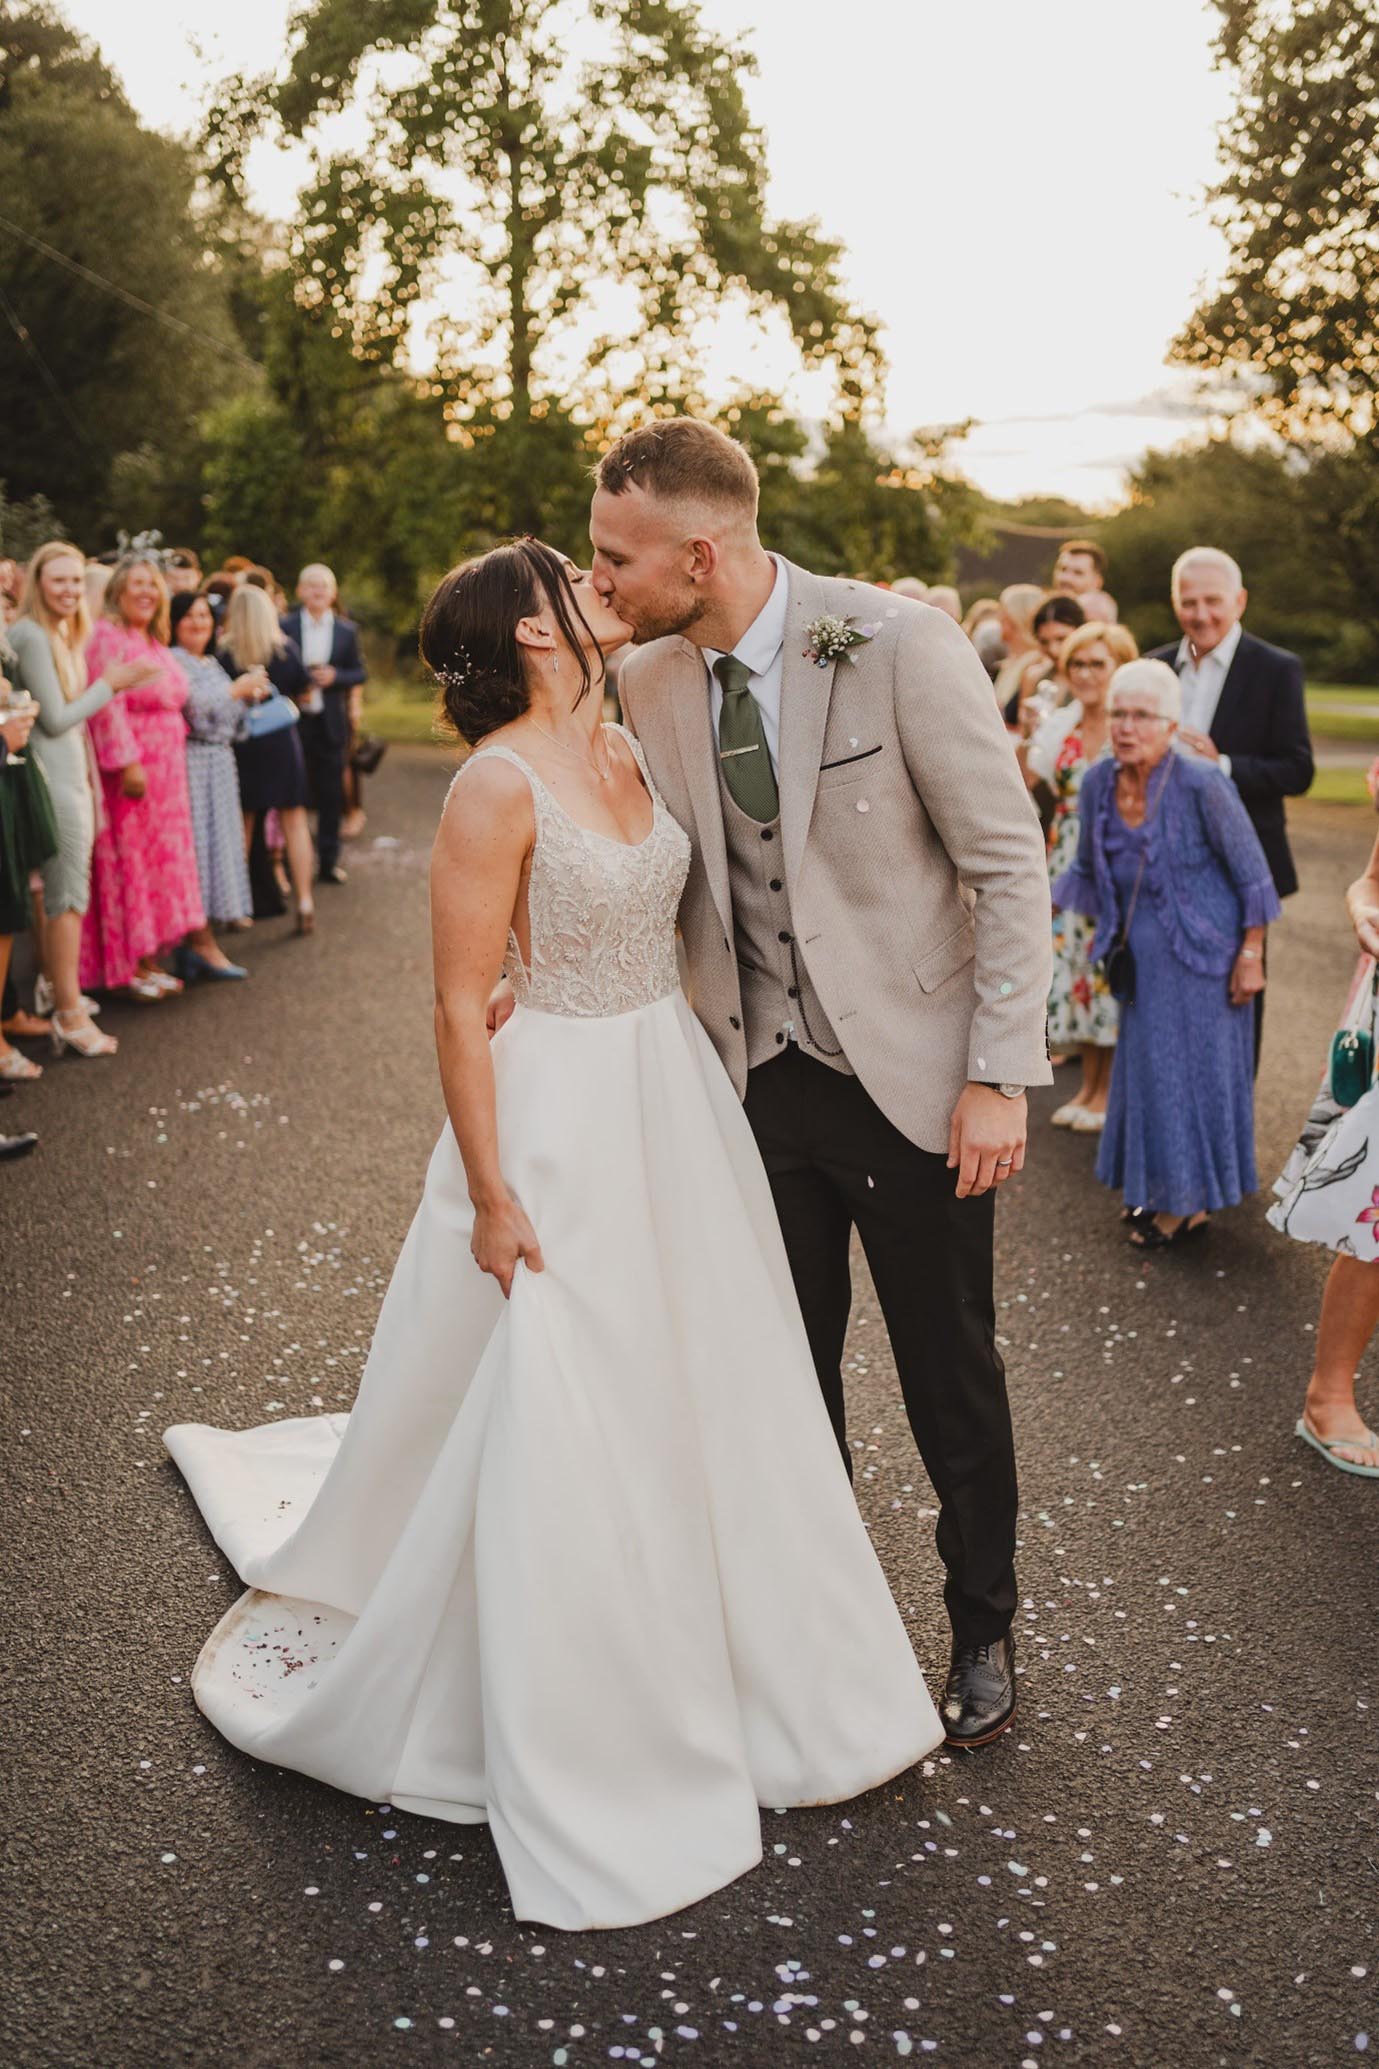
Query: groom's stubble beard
x=665 y=618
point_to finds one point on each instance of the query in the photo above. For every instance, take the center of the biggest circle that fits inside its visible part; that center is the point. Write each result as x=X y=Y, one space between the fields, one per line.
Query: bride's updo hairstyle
x=469 y=634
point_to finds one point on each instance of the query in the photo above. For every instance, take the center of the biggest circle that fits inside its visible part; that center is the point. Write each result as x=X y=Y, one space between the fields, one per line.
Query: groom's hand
x=986 y=1140
x=501 y=1004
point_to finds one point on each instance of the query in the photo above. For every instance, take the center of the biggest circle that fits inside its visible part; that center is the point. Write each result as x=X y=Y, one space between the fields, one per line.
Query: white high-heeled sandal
x=17 y=1068
x=83 y=1039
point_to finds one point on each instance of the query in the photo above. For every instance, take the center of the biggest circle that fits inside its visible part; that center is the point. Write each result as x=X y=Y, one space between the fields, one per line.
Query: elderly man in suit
x=330 y=653
x=1243 y=706
x=866 y=928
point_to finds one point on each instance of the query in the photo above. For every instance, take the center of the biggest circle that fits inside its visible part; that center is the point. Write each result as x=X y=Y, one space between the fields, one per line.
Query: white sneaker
x=1086 y=1122
x=1066 y=1116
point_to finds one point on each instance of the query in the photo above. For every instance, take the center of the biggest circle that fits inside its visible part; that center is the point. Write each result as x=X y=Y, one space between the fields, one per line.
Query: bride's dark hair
x=469 y=633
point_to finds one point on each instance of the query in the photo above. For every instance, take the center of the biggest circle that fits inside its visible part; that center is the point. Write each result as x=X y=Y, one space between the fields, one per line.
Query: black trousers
x=324 y=755
x=835 y=1162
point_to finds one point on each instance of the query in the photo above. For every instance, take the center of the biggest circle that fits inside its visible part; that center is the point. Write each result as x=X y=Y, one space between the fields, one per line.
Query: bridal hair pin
x=457 y=671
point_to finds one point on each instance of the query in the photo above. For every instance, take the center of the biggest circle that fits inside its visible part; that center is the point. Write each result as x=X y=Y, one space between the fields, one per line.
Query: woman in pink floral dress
x=145 y=890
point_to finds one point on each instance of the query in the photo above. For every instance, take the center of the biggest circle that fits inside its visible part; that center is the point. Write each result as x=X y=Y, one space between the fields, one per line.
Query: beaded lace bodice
x=601 y=912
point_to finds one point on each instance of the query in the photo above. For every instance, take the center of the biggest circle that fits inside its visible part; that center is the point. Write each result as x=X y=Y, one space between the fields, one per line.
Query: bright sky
x=1018 y=188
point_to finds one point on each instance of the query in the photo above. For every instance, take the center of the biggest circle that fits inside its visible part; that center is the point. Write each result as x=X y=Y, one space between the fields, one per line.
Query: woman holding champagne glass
x=49 y=641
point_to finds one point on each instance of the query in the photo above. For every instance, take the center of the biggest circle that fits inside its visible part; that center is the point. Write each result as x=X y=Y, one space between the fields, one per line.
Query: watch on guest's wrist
x=1006 y=1091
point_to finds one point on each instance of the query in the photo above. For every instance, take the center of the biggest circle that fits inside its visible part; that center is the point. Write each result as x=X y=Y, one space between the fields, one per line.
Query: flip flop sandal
x=1147 y=1235
x=1329 y=1446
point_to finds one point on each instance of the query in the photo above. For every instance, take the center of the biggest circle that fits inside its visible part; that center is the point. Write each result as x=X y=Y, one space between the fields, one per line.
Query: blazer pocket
x=946 y=960
x=847 y=760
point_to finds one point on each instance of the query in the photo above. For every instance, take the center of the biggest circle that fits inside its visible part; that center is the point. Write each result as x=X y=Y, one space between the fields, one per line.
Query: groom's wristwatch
x=1008 y=1091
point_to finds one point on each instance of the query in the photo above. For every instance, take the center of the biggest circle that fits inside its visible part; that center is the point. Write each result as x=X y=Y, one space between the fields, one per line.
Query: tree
x=1296 y=317
x=84 y=374
x=1297 y=313
x=1260 y=504
x=580 y=179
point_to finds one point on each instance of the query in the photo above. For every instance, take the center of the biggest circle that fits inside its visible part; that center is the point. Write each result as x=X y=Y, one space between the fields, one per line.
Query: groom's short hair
x=681 y=459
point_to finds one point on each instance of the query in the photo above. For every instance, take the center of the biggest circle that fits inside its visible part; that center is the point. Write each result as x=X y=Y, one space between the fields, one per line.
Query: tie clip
x=726 y=753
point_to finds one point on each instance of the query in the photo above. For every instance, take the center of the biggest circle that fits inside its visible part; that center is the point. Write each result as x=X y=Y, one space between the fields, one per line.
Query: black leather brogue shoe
x=979 y=1696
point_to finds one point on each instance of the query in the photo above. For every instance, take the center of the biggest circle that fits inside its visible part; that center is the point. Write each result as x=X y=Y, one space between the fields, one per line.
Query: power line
x=46 y=374
x=134 y=301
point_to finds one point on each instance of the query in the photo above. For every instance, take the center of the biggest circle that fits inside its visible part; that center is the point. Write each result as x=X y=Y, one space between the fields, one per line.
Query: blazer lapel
x=1232 y=690
x=804 y=698
x=689 y=703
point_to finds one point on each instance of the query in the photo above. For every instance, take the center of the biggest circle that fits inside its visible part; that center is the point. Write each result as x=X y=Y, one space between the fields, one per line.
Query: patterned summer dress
x=1081 y=1008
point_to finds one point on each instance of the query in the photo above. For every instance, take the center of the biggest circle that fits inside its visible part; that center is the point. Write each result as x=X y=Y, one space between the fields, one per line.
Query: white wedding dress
x=583 y=1564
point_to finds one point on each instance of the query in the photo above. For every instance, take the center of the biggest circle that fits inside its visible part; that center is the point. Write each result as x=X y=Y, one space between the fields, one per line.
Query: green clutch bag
x=1352 y=1047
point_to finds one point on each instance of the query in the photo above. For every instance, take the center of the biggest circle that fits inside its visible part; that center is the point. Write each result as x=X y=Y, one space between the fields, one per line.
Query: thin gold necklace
x=604 y=775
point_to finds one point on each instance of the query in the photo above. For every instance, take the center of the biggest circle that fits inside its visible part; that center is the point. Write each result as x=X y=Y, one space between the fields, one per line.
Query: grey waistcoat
x=770 y=966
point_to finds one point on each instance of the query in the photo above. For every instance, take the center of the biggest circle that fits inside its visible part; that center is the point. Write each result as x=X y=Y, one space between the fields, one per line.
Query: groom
x=866 y=923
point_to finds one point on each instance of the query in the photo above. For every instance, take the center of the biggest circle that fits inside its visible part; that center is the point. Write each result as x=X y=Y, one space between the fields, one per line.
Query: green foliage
x=1266 y=509
x=584 y=172
x=1297 y=314
x=91 y=377
x=25 y=526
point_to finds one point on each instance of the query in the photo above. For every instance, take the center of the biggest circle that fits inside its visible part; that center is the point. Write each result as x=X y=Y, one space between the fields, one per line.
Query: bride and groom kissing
x=581 y=1562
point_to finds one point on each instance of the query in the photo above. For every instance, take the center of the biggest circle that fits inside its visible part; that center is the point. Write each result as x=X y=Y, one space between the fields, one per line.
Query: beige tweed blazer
x=914 y=863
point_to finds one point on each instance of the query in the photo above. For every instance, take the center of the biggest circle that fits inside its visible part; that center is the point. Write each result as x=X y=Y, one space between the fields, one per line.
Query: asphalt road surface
x=1173 y=1858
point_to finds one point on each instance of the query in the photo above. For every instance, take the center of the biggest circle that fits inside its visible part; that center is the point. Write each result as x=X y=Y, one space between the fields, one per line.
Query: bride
x=582 y=1562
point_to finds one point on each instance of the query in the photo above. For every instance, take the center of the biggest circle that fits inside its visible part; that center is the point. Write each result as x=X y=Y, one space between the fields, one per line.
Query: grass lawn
x=1344 y=711
x=1340 y=787
x=400 y=711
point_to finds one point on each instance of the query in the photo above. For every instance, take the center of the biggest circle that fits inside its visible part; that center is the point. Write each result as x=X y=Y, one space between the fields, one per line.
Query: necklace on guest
x=605 y=775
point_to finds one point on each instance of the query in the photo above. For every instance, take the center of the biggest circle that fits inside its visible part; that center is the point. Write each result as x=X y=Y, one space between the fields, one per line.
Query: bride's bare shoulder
x=489 y=797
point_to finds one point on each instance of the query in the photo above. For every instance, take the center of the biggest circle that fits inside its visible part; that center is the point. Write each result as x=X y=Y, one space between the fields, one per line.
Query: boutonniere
x=830 y=638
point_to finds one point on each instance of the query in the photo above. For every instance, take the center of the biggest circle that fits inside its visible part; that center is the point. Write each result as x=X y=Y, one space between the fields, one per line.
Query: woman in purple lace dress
x=1168 y=854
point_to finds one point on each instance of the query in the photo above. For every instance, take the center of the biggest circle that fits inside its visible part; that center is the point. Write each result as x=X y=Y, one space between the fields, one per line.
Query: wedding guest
x=217 y=716
x=910 y=585
x=49 y=639
x=1168 y=862
x=1098 y=606
x=182 y=571
x=1244 y=706
x=1017 y=605
x=28 y=837
x=1327 y=1194
x=1080 y=570
x=329 y=646
x=1082 y=1012
x=983 y=627
x=272 y=773
x=15 y=729
x=1042 y=686
x=95 y=582
x=11 y=584
x=943 y=598
x=1243 y=701
x=146 y=894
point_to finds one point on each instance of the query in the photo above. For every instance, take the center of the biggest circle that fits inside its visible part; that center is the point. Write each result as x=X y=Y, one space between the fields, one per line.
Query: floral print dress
x=145 y=890
x=1328 y=1191
x=1081 y=1008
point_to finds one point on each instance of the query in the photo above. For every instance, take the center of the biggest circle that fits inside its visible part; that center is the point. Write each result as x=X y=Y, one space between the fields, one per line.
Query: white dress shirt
x=318 y=637
x=762 y=647
x=1203 y=679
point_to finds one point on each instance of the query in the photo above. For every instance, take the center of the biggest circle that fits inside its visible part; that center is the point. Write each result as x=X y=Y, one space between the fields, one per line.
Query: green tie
x=742 y=748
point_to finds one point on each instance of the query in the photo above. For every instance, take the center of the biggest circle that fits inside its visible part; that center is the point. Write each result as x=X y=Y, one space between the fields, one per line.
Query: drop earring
x=555 y=662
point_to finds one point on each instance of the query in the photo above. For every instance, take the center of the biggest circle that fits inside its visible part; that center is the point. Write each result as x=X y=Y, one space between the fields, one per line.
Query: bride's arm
x=485 y=836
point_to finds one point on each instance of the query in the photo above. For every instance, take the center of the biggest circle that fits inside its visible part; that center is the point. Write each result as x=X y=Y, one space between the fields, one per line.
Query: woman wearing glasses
x=1082 y=1013
x=1171 y=870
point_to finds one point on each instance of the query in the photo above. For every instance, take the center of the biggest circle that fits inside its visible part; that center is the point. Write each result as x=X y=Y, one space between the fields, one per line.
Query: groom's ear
x=702 y=560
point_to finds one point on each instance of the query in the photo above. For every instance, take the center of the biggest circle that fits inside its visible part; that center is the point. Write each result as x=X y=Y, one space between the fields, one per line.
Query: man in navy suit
x=330 y=654
x=1243 y=705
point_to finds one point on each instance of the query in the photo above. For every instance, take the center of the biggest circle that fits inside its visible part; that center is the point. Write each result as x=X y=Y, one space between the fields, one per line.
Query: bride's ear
x=535 y=636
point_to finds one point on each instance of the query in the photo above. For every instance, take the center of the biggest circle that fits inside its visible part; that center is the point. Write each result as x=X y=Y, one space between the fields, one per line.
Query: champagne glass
x=14 y=700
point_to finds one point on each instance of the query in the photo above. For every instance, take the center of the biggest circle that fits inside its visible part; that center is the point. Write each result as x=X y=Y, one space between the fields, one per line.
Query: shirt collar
x=765 y=636
x=1224 y=653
